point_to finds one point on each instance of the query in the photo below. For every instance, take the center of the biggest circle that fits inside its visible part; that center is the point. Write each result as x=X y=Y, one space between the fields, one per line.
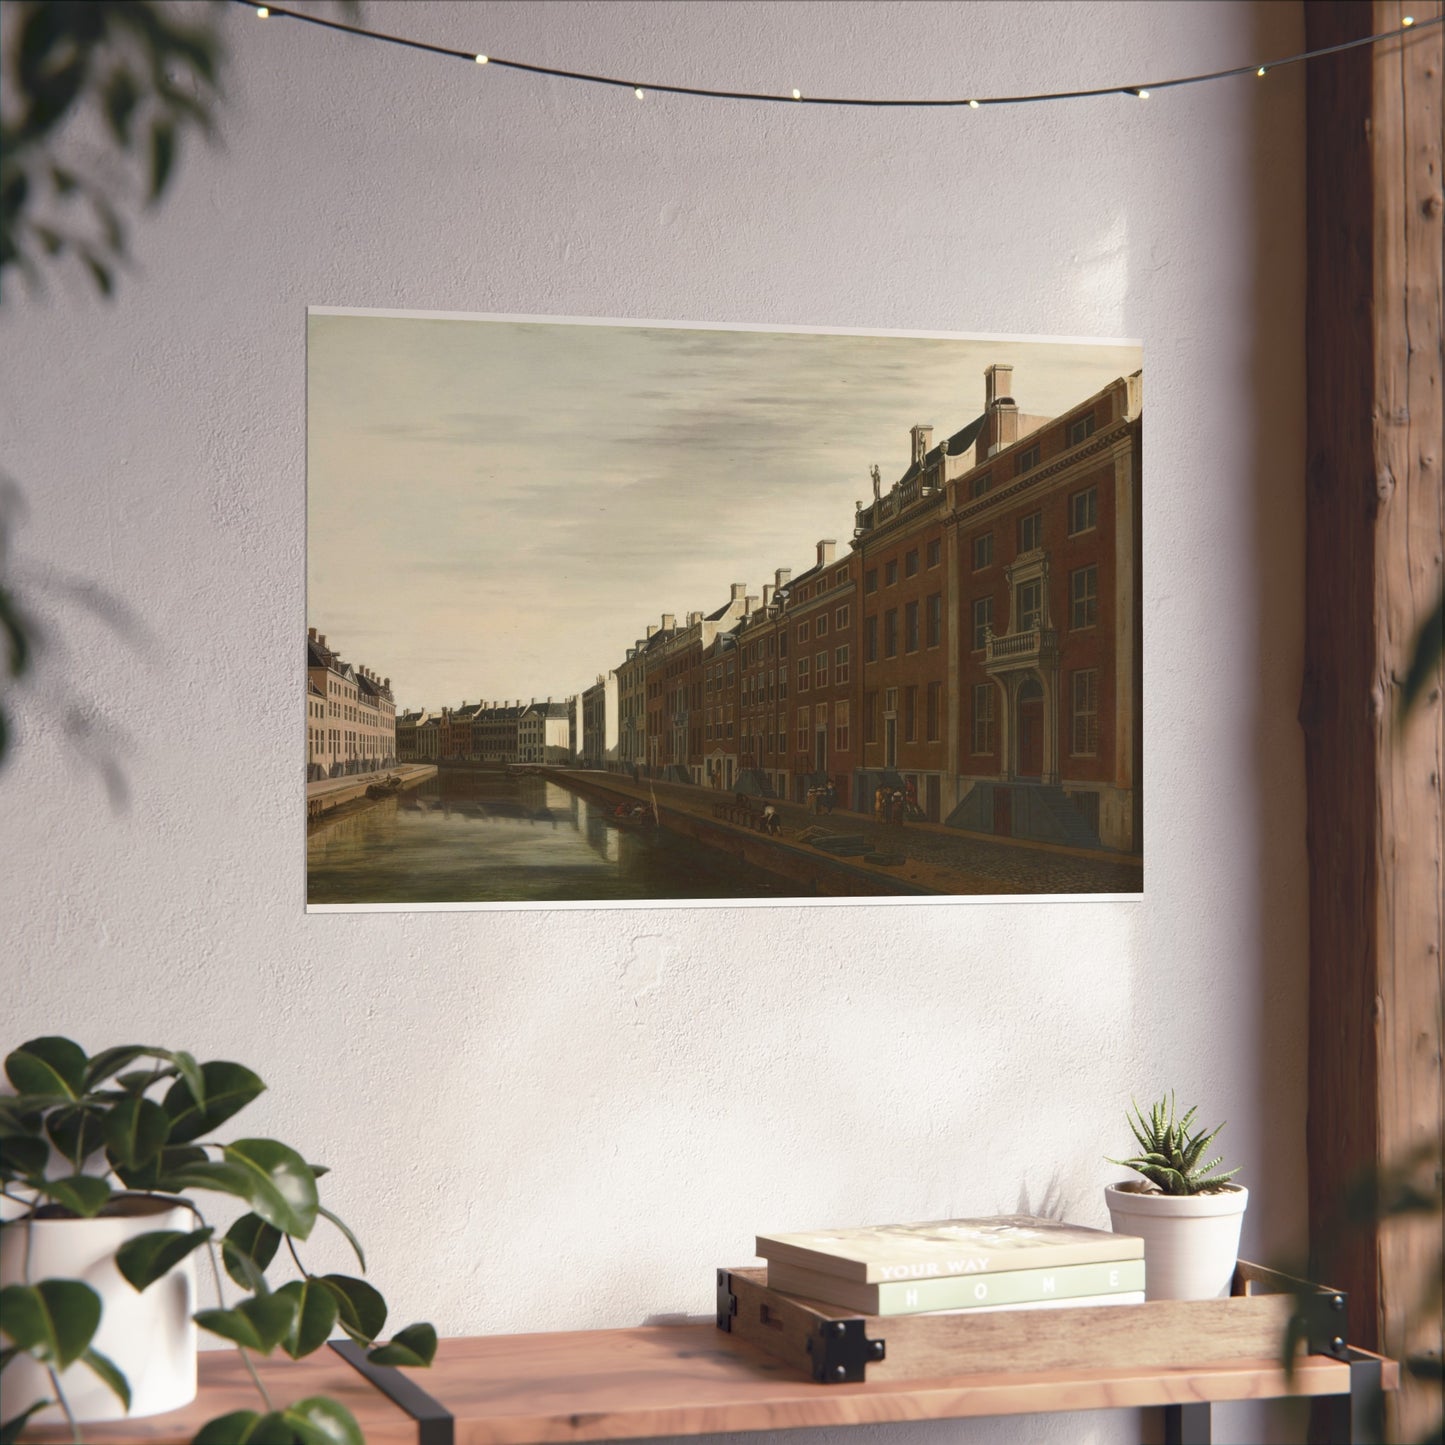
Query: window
x=840 y=618
x=1029 y=605
x=935 y=552
x=870 y=639
x=820 y=627
x=934 y=626
x=890 y=632
x=1031 y=532
x=870 y=717
x=910 y=563
x=1085 y=687
x=910 y=713
x=982 y=621
x=782 y=682
x=1084 y=596
x=931 y=710
x=802 y=632
x=805 y=723
x=980 y=485
x=870 y=580
x=1080 y=429
x=820 y=670
x=983 y=552
x=840 y=666
x=804 y=667
x=910 y=627
x=890 y=573
x=1027 y=461
x=783 y=643
x=983 y=718
x=1083 y=510
x=840 y=727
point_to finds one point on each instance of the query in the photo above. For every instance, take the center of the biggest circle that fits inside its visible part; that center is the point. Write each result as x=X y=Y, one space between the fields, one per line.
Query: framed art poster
x=635 y=612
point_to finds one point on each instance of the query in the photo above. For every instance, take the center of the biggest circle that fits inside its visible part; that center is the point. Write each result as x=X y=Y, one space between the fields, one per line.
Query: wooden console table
x=693 y=1379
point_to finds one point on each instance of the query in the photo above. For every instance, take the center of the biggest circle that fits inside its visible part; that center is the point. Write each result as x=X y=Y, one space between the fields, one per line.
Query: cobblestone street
x=938 y=858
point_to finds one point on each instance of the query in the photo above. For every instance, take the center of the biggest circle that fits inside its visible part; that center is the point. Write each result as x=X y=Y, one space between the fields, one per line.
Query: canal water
x=478 y=837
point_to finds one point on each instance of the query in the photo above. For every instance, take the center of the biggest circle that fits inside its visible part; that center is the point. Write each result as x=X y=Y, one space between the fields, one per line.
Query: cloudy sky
x=497 y=509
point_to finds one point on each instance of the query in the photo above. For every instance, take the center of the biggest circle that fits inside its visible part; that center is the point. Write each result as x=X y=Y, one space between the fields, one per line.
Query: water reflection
x=477 y=837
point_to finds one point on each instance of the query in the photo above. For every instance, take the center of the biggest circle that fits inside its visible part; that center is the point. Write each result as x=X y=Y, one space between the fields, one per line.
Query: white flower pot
x=150 y=1336
x=1191 y=1241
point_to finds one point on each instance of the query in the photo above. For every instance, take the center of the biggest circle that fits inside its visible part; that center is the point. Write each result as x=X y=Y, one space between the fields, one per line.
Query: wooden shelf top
x=688 y=1379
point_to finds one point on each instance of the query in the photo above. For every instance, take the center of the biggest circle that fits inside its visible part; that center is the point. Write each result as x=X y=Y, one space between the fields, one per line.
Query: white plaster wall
x=544 y=1120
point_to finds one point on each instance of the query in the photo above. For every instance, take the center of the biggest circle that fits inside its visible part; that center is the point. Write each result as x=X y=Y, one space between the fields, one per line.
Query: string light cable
x=643 y=88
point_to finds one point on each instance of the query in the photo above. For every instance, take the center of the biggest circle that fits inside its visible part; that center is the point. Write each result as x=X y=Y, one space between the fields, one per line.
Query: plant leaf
x=11 y=1430
x=1425 y=658
x=49 y=1065
x=106 y=1369
x=259 y=1323
x=245 y=1427
x=227 y=1089
x=248 y=1248
x=155 y=1174
x=415 y=1345
x=84 y=1194
x=361 y=1309
x=54 y=1320
x=351 y=1239
x=136 y=1130
x=20 y=1157
x=163 y=156
x=319 y=1421
x=76 y=1131
x=316 y=1311
x=282 y=1187
x=149 y=1257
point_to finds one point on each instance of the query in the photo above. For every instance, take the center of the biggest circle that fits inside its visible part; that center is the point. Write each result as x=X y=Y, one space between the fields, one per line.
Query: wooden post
x=1373 y=570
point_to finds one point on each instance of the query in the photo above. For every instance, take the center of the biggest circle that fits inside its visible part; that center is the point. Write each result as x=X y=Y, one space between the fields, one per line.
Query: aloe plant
x=1171 y=1155
x=81 y=1131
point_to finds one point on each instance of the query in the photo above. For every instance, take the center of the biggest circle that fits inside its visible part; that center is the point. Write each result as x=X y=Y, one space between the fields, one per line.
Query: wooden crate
x=836 y=1345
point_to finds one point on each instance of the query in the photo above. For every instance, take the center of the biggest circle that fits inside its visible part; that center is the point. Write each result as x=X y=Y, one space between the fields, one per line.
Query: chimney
x=693 y=618
x=311 y=633
x=768 y=590
x=739 y=591
x=825 y=551
x=669 y=622
x=322 y=639
x=752 y=604
x=652 y=629
x=386 y=683
x=922 y=439
x=1002 y=425
x=783 y=576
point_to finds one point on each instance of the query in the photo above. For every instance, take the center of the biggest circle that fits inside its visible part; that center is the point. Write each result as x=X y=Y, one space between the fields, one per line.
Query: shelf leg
x=1187 y=1424
x=1359 y=1417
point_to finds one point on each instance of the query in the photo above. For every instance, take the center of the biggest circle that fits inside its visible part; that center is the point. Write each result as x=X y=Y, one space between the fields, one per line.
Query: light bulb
x=482 y=59
x=262 y=12
x=797 y=95
x=973 y=105
x=1407 y=21
x=1142 y=94
x=638 y=92
x=1260 y=72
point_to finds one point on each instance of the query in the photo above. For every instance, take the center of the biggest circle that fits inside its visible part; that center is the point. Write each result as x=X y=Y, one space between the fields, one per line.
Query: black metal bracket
x=841 y=1352
x=434 y=1422
x=1327 y=1323
x=727 y=1301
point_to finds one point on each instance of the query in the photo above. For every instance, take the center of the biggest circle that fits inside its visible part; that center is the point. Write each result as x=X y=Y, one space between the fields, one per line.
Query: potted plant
x=102 y=1230
x=1187 y=1213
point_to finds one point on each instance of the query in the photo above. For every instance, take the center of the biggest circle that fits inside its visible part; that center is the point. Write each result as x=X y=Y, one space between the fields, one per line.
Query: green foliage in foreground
x=83 y=1134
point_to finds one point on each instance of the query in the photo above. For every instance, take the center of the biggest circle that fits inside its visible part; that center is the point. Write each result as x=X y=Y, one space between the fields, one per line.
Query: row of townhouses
x=978 y=647
x=350 y=715
x=543 y=732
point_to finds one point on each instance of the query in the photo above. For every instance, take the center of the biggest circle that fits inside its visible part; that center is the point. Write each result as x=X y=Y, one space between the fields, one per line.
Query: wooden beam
x=1374 y=543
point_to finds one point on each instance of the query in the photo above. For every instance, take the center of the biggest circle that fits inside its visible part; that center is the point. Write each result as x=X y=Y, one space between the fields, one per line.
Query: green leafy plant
x=82 y=1134
x=1171 y=1154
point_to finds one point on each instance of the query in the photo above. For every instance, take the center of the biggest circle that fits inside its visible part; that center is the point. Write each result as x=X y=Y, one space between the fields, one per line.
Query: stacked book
x=1013 y=1261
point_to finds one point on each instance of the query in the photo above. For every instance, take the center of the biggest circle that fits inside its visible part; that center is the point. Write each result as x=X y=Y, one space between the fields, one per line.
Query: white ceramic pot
x=149 y=1336
x=1191 y=1241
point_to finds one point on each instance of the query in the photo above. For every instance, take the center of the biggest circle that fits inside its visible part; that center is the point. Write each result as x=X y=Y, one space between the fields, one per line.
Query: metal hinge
x=841 y=1352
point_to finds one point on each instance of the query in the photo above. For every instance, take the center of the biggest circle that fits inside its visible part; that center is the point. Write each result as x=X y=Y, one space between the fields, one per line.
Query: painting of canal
x=640 y=613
